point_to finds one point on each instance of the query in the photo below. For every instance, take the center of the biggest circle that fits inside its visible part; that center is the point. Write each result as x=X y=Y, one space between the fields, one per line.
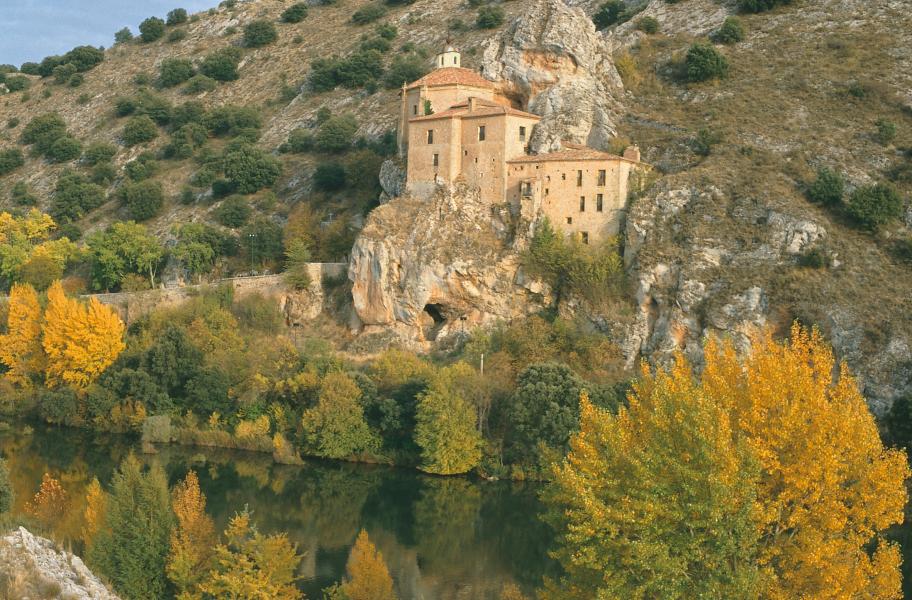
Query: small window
x=481 y=133
x=564 y=176
x=522 y=134
x=601 y=177
x=455 y=60
x=579 y=179
x=569 y=220
x=547 y=178
x=582 y=203
x=526 y=189
x=436 y=160
x=414 y=109
x=547 y=191
x=584 y=237
x=430 y=136
x=465 y=152
x=476 y=159
x=599 y=199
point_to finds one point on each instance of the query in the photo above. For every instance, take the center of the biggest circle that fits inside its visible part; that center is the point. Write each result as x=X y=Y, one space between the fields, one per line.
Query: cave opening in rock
x=435 y=312
x=433 y=320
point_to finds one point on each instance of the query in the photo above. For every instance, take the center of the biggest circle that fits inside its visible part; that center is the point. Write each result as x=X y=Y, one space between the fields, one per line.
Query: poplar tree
x=20 y=347
x=193 y=540
x=368 y=577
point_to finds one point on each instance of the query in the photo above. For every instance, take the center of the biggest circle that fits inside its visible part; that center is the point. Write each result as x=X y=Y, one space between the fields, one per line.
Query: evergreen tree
x=193 y=540
x=335 y=427
x=446 y=427
x=6 y=489
x=132 y=549
x=368 y=577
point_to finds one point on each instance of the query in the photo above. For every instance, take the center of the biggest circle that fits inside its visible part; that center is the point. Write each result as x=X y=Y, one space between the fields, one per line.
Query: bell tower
x=450 y=57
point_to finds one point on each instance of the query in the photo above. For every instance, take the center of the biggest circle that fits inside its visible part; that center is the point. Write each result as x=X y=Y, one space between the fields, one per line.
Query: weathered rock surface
x=32 y=567
x=392 y=180
x=429 y=269
x=552 y=60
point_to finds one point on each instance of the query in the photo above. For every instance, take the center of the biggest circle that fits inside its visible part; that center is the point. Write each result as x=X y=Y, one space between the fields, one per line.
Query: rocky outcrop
x=552 y=62
x=33 y=567
x=392 y=180
x=431 y=269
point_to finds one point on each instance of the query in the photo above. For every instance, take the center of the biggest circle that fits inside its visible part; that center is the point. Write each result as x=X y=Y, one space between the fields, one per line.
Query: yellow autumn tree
x=828 y=488
x=193 y=541
x=94 y=513
x=20 y=347
x=49 y=504
x=80 y=341
x=368 y=577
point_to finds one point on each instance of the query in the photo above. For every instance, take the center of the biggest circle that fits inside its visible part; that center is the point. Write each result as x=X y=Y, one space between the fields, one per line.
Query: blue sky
x=33 y=29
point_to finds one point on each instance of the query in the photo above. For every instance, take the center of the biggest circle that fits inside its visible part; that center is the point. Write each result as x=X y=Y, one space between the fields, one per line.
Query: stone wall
x=298 y=305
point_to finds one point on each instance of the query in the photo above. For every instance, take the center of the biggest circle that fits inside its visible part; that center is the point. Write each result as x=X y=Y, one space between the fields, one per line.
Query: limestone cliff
x=33 y=567
x=428 y=269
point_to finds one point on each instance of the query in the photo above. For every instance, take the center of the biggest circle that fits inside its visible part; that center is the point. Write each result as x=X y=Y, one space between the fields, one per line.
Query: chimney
x=632 y=153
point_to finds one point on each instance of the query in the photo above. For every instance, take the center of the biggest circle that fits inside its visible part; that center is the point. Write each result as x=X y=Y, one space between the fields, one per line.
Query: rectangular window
x=599 y=199
x=601 y=177
x=414 y=109
x=582 y=203
x=436 y=159
x=430 y=136
x=481 y=133
x=522 y=134
x=579 y=179
x=569 y=220
x=547 y=191
x=563 y=176
x=526 y=189
x=584 y=236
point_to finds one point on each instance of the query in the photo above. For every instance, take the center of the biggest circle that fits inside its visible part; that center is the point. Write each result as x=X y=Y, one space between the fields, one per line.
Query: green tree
x=175 y=71
x=142 y=199
x=489 y=17
x=731 y=32
x=608 y=14
x=250 y=169
x=446 y=428
x=132 y=549
x=139 y=130
x=297 y=258
x=98 y=152
x=295 y=13
x=704 y=62
x=42 y=131
x=234 y=211
x=10 y=160
x=123 y=36
x=368 y=14
x=874 y=206
x=329 y=177
x=828 y=189
x=222 y=64
x=151 y=29
x=335 y=427
x=404 y=69
x=74 y=196
x=64 y=149
x=262 y=239
x=336 y=133
x=177 y=16
x=259 y=33
x=124 y=247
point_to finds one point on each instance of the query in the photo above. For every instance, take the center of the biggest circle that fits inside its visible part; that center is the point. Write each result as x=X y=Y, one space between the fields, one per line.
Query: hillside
x=725 y=237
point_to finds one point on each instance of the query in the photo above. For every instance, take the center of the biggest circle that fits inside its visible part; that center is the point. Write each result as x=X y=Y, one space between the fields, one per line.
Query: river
x=442 y=538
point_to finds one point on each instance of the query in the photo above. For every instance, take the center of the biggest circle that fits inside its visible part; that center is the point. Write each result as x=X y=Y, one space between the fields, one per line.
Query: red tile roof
x=451 y=75
x=569 y=152
x=483 y=108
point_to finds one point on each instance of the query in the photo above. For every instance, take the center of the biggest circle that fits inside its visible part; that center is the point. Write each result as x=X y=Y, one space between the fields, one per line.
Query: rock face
x=32 y=567
x=552 y=61
x=429 y=269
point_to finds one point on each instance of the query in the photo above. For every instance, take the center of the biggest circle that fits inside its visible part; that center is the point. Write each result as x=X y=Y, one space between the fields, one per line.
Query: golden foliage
x=368 y=577
x=49 y=504
x=94 y=513
x=80 y=341
x=251 y=566
x=828 y=487
x=193 y=540
x=251 y=429
x=20 y=347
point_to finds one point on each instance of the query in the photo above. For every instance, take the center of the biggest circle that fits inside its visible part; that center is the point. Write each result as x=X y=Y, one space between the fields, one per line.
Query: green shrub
x=60 y=407
x=608 y=14
x=47 y=65
x=186 y=140
x=404 y=69
x=222 y=188
x=649 y=25
x=874 y=206
x=176 y=17
x=199 y=84
x=222 y=64
x=886 y=131
x=336 y=134
x=299 y=140
x=142 y=199
x=295 y=13
x=230 y=120
x=489 y=17
x=234 y=211
x=814 y=258
x=175 y=71
x=30 y=68
x=731 y=32
x=139 y=130
x=142 y=167
x=260 y=33
x=828 y=189
x=65 y=149
x=387 y=31
x=329 y=177
x=21 y=196
x=188 y=112
x=17 y=83
x=124 y=107
x=142 y=79
x=42 y=131
x=176 y=35
x=123 y=36
x=74 y=196
x=360 y=68
x=157 y=107
x=62 y=73
x=10 y=160
x=203 y=178
x=84 y=58
x=75 y=81
x=368 y=14
x=6 y=489
x=12 y=122
x=250 y=169
x=756 y=6
x=103 y=173
x=704 y=62
x=704 y=141
x=151 y=29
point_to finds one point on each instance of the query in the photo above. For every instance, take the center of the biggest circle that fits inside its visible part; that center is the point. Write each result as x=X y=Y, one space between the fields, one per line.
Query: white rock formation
x=553 y=61
x=32 y=567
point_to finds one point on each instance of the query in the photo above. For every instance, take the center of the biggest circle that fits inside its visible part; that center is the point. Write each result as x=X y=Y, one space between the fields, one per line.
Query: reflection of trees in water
x=331 y=502
x=446 y=522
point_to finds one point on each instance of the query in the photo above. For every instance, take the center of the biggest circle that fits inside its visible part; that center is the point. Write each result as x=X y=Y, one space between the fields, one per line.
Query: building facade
x=454 y=126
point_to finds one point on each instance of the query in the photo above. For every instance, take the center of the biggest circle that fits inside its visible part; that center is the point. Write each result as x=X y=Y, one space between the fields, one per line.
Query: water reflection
x=441 y=537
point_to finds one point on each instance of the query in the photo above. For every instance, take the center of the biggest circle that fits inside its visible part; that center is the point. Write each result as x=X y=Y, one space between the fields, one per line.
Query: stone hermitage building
x=454 y=126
